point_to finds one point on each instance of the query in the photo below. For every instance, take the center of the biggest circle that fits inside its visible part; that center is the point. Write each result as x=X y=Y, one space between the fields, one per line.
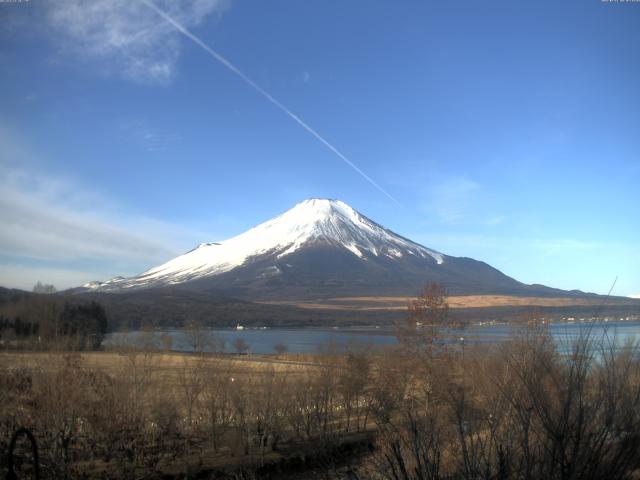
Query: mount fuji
x=320 y=248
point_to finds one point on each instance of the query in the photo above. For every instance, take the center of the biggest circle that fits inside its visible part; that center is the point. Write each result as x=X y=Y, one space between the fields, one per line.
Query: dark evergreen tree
x=87 y=323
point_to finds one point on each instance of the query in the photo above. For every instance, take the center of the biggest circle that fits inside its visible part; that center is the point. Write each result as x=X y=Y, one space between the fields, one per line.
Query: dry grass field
x=138 y=413
x=486 y=412
x=167 y=363
x=455 y=302
x=426 y=407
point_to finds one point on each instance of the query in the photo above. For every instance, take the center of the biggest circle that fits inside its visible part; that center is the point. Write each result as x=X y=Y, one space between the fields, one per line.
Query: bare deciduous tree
x=421 y=332
x=240 y=345
x=280 y=348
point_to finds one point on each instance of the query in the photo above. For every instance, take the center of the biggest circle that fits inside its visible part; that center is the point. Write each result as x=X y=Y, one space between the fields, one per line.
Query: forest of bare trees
x=424 y=410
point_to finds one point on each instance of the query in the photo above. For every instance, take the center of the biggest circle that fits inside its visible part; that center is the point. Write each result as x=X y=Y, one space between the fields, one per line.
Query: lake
x=313 y=340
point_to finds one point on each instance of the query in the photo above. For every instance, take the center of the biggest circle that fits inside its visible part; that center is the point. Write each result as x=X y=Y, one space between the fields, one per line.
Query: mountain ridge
x=321 y=248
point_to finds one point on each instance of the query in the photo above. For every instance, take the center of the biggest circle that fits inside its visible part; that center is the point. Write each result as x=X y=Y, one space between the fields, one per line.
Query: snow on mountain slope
x=315 y=220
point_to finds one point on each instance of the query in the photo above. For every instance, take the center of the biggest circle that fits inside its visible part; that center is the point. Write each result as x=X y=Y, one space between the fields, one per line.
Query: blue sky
x=507 y=131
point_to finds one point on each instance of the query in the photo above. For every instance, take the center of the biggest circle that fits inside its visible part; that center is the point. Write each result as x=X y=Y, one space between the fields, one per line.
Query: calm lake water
x=314 y=340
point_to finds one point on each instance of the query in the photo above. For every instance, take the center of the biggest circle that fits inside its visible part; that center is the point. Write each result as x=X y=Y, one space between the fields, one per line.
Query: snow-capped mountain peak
x=313 y=221
x=336 y=222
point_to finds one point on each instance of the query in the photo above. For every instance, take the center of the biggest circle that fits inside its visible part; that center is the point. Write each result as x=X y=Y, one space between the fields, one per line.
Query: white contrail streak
x=264 y=93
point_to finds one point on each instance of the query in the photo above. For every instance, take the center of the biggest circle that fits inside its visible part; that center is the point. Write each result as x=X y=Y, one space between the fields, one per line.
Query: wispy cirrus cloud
x=50 y=219
x=25 y=277
x=516 y=243
x=57 y=229
x=55 y=226
x=451 y=200
x=55 y=218
x=458 y=200
x=149 y=138
x=125 y=36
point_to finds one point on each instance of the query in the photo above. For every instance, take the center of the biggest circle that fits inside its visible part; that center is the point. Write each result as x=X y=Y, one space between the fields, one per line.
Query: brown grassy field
x=152 y=407
x=142 y=413
x=455 y=302
x=113 y=361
